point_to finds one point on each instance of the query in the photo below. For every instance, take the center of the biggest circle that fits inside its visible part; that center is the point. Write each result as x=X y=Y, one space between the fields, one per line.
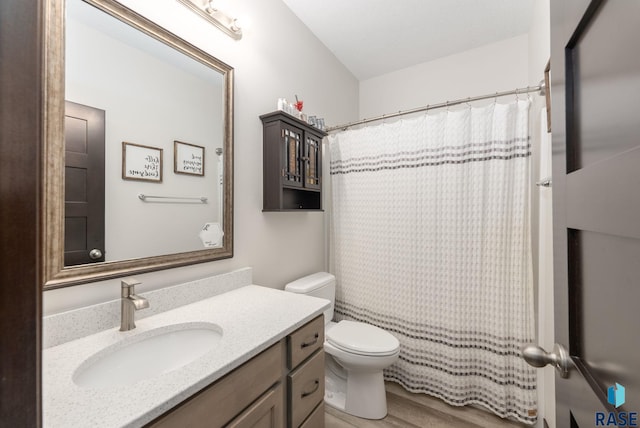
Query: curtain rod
x=517 y=91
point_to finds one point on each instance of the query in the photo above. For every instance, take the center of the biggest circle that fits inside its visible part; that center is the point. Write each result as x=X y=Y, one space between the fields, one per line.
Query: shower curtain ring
x=469 y=102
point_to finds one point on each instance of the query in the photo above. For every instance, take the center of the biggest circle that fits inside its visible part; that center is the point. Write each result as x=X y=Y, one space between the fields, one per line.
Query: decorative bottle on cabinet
x=292 y=164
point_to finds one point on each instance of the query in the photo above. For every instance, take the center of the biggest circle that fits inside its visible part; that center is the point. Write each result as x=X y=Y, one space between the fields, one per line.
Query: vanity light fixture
x=208 y=10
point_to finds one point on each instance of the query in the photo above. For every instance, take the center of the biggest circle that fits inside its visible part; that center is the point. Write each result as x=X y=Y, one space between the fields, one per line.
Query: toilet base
x=335 y=391
x=366 y=398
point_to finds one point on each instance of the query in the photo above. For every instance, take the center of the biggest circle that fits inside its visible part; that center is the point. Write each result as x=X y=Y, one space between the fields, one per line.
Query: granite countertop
x=252 y=319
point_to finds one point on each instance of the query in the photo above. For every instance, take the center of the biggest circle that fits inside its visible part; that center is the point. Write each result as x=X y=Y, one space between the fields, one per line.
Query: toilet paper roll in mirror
x=211 y=235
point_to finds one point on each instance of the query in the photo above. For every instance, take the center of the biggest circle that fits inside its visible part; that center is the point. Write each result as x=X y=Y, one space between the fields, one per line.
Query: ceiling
x=374 y=37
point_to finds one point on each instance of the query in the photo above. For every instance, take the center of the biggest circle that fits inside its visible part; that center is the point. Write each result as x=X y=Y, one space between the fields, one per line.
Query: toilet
x=355 y=355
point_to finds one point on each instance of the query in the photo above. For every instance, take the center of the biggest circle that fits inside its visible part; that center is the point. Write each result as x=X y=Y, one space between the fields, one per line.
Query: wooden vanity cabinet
x=292 y=164
x=282 y=386
x=305 y=381
x=235 y=398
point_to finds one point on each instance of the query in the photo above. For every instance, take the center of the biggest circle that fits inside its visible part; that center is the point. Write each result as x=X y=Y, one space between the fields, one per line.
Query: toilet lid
x=361 y=338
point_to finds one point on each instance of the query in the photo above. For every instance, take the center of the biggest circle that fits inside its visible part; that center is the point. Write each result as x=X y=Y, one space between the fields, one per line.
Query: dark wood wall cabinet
x=292 y=164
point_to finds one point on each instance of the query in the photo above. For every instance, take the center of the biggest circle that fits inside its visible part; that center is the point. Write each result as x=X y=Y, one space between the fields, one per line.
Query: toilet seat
x=362 y=339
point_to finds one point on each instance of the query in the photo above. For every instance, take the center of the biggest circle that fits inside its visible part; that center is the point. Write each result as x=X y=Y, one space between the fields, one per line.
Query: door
x=290 y=154
x=84 y=184
x=312 y=161
x=595 y=88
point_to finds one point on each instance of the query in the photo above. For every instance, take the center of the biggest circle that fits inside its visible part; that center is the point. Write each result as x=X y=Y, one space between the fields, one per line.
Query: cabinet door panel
x=312 y=161
x=267 y=412
x=291 y=159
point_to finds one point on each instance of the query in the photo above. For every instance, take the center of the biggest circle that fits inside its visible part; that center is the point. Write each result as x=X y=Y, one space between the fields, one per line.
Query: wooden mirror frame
x=54 y=273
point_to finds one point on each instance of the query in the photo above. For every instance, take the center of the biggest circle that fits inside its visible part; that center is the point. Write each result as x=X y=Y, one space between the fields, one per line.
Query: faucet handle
x=128 y=286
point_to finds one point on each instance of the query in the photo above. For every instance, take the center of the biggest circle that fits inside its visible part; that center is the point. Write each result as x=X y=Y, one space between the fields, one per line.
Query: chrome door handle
x=95 y=254
x=538 y=357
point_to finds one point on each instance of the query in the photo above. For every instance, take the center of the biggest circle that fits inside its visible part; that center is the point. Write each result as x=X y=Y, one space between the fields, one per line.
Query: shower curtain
x=430 y=240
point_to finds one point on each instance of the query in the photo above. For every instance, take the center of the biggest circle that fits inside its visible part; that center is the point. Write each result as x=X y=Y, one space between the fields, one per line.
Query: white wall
x=492 y=68
x=277 y=57
x=539 y=53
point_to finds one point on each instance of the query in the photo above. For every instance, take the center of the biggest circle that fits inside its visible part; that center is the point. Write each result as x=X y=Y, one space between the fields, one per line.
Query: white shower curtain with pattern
x=430 y=240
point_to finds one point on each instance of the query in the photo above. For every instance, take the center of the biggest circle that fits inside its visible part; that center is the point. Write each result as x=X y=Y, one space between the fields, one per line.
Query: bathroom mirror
x=138 y=156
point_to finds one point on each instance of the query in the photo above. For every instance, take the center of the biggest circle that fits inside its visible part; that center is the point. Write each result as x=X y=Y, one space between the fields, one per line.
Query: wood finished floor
x=420 y=411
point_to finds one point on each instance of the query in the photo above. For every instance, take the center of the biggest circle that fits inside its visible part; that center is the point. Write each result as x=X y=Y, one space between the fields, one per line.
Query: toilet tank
x=320 y=284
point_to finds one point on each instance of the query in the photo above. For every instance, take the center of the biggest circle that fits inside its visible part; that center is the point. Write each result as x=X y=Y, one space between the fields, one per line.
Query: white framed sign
x=140 y=162
x=188 y=158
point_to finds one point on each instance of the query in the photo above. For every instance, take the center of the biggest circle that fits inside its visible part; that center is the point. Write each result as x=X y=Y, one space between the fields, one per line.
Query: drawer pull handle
x=315 y=388
x=313 y=342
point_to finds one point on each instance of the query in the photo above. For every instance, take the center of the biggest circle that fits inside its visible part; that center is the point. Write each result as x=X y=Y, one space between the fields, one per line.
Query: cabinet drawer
x=266 y=412
x=305 y=341
x=316 y=419
x=306 y=388
x=217 y=404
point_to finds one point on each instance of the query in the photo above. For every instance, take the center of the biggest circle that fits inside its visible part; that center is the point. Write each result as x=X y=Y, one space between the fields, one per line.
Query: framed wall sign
x=140 y=162
x=188 y=158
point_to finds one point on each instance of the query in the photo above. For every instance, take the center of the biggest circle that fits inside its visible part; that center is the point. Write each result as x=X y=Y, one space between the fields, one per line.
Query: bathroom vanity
x=287 y=378
x=264 y=367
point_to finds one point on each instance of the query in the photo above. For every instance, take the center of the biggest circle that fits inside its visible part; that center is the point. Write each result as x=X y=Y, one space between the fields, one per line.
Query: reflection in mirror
x=151 y=95
x=145 y=149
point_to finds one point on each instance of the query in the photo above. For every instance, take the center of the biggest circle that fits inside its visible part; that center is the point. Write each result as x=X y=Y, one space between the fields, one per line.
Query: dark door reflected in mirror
x=83 y=184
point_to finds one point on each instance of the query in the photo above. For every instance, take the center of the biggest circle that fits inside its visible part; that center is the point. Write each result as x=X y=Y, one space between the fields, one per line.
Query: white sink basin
x=147 y=355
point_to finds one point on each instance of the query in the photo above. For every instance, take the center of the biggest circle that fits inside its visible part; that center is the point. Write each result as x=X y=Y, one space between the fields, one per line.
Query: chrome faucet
x=130 y=303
